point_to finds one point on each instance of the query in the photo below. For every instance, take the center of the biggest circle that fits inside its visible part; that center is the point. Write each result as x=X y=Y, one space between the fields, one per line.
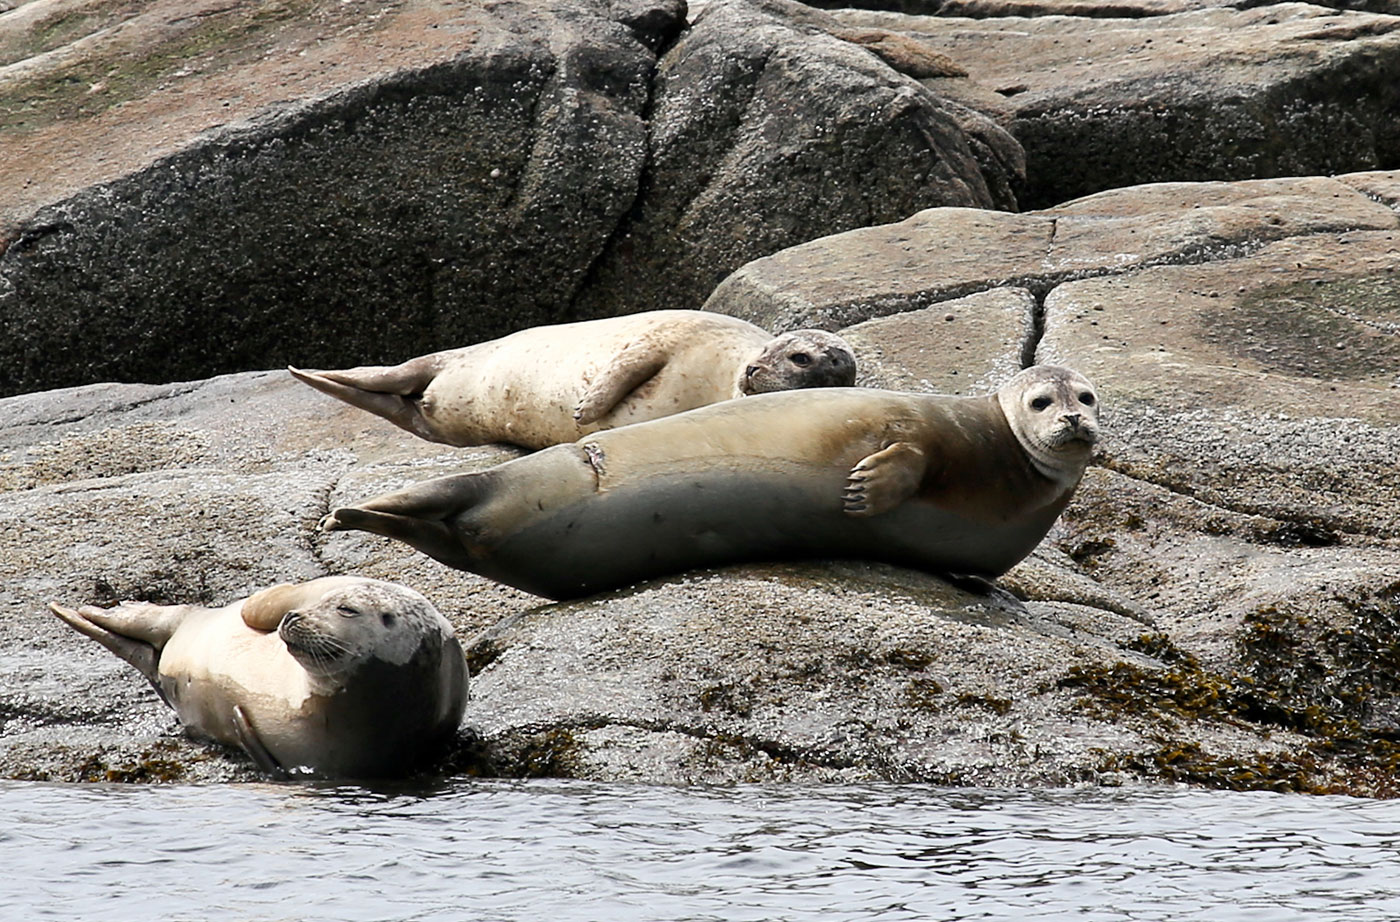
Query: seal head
x=340 y=630
x=1054 y=413
x=802 y=358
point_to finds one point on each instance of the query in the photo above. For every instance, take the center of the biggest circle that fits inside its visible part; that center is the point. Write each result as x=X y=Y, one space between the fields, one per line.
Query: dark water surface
x=552 y=851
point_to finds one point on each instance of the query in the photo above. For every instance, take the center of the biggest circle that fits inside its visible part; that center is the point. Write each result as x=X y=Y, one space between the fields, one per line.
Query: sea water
x=559 y=850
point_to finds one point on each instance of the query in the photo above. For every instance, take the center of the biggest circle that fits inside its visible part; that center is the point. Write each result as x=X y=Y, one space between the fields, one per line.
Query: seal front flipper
x=629 y=370
x=248 y=739
x=392 y=392
x=880 y=482
x=264 y=610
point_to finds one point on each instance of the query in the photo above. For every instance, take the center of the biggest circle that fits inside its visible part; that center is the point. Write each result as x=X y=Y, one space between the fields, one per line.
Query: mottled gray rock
x=1278 y=90
x=947 y=253
x=326 y=186
x=934 y=256
x=814 y=672
x=1249 y=495
x=190 y=189
x=966 y=346
x=766 y=131
x=1243 y=338
x=1294 y=351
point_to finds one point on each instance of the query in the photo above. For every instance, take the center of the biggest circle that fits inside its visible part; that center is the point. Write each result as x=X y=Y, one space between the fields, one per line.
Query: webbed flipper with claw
x=880 y=482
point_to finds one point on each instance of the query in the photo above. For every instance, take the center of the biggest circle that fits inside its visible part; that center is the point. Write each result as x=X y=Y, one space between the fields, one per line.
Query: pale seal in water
x=337 y=677
x=958 y=485
x=553 y=384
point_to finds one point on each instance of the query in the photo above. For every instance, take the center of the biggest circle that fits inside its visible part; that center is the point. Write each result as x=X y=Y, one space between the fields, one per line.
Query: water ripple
x=560 y=851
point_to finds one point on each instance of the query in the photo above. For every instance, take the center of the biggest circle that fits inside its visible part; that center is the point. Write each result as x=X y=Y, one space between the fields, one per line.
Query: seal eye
x=1040 y=403
x=347 y=611
x=1086 y=399
x=800 y=359
x=387 y=618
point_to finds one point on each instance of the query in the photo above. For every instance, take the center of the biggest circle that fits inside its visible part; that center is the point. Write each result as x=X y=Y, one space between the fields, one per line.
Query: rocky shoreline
x=1218 y=606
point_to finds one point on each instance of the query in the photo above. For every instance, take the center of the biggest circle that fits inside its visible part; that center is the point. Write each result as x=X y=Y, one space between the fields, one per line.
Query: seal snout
x=1078 y=427
x=287 y=628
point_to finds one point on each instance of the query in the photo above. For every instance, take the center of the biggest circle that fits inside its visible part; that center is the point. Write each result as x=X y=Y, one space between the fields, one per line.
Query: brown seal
x=337 y=677
x=958 y=485
x=553 y=384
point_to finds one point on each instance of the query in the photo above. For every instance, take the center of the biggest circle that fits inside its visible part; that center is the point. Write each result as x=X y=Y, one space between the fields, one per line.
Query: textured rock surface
x=1217 y=606
x=837 y=672
x=327 y=181
x=1278 y=90
x=950 y=252
x=1243 y=338
x=190 y=189
x=765 y=127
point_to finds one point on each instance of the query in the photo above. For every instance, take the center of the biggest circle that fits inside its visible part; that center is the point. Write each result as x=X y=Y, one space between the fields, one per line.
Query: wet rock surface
x=1217 y=606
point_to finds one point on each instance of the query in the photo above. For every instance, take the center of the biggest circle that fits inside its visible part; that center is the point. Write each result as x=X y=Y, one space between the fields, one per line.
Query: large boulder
x=191 y=189
x=771 y=125
x=946 y=253
x=1222 y=93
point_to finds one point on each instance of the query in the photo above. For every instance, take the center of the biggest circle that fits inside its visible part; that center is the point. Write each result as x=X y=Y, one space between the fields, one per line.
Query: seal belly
x=678 y=522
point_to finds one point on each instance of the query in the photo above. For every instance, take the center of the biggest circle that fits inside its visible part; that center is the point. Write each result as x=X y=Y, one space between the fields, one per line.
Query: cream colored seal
x=553 y=384
x=955 y=485
x=338 y=677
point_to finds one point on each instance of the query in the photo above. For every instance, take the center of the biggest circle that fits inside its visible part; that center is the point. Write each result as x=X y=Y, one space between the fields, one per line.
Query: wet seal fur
x=553 y=384
x=339 y=677
x=955 y=485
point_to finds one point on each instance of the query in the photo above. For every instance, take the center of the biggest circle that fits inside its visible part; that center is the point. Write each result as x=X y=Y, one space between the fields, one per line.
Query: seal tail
x=143 y=656
x=392 y=392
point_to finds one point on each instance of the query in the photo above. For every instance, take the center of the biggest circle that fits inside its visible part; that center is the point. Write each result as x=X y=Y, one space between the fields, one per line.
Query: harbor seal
x=339 y=677
x=553 y=384
x=957 y=485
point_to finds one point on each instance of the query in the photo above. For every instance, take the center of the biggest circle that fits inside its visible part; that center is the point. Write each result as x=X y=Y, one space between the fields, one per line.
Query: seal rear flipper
x=880 y=482
x=249 y=740
x=438 y=498
x=429 y=535
x=139 y=654
x=398 y=402
x=629 y=370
